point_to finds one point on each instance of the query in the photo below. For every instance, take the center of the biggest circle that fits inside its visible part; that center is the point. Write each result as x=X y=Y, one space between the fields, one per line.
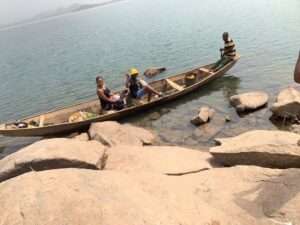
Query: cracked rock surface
x=157 y=159
x=240 y=195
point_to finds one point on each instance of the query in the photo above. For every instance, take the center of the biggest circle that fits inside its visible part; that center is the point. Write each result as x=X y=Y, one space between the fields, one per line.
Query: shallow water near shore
x=54 y=63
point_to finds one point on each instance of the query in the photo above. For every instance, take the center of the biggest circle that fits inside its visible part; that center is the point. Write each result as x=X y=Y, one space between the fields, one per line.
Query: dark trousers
x=221 y=62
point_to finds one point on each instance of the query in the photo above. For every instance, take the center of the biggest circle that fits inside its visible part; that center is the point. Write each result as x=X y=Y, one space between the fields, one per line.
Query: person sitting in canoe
x=108 y=100
x=228 y=53
x=138 y=87
x=297 y=70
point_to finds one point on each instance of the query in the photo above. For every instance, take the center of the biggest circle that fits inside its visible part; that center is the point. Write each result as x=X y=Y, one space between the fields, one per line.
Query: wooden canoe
x=56 y=122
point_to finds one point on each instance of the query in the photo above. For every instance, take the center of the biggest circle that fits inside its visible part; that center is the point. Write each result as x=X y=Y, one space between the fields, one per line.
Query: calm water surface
x=54 y=63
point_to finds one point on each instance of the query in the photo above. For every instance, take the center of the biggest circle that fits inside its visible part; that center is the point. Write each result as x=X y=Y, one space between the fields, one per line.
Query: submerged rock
x=227 y=119
x=53 y=154
x=154 y=116
x=112 y=133
x=151 y=72
x=249 y=101
x=205 y=114
x=273 y=149
x=287 y=104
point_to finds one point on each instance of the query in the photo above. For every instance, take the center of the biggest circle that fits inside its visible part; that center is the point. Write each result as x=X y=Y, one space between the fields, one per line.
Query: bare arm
x=127 y=81
x=103 y=96
x=297 y=70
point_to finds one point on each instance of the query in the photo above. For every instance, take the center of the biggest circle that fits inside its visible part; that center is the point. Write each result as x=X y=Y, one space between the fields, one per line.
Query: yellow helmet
x=133 y=72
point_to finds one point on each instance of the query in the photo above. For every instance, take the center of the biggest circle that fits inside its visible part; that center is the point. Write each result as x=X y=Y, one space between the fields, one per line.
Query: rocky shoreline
x=117 y=174
x=114 y=174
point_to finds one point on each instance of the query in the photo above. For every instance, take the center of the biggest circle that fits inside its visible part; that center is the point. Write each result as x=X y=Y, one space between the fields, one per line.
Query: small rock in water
x=165 y=110
x=204 y=116
x=227 y=119
x=249 y=101
x=154 y=116
x=151 y=72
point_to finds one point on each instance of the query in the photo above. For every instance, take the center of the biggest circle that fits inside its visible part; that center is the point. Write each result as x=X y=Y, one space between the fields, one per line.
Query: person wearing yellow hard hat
x=138 y=87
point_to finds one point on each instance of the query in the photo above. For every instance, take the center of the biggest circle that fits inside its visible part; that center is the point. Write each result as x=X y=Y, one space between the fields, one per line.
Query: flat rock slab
x=273 y=149
x=112 y=133
x=287 y=104
x=239 y=196
x=158 y=159
x=249 y=101
x=53 y=154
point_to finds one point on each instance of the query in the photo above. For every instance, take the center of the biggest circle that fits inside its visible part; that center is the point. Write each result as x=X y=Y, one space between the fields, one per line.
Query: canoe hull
x=67 y=128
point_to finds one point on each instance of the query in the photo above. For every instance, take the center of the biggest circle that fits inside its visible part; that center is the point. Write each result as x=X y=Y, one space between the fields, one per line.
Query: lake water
x=54 y=63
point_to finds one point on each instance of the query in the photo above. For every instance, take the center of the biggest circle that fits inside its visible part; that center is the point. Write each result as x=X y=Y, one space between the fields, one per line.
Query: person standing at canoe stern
x=297 y=70
x=228 y=53
x=138 y=87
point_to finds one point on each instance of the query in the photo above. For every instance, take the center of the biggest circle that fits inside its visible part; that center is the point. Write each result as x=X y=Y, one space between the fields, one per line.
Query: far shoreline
x=83 y=8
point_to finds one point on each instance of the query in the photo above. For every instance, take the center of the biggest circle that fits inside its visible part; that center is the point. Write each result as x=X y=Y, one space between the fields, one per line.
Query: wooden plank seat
x=174 y=85
x=204 y=70
x=42 y=121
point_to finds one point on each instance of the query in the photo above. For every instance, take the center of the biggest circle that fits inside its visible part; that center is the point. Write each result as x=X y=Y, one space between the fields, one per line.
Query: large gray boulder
x=287 y=104
x=204 y=116
x=273 y=149
x=53 y=154
x=112 y=133
x=151 y=72
x=249 y=101
x=243 y=195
